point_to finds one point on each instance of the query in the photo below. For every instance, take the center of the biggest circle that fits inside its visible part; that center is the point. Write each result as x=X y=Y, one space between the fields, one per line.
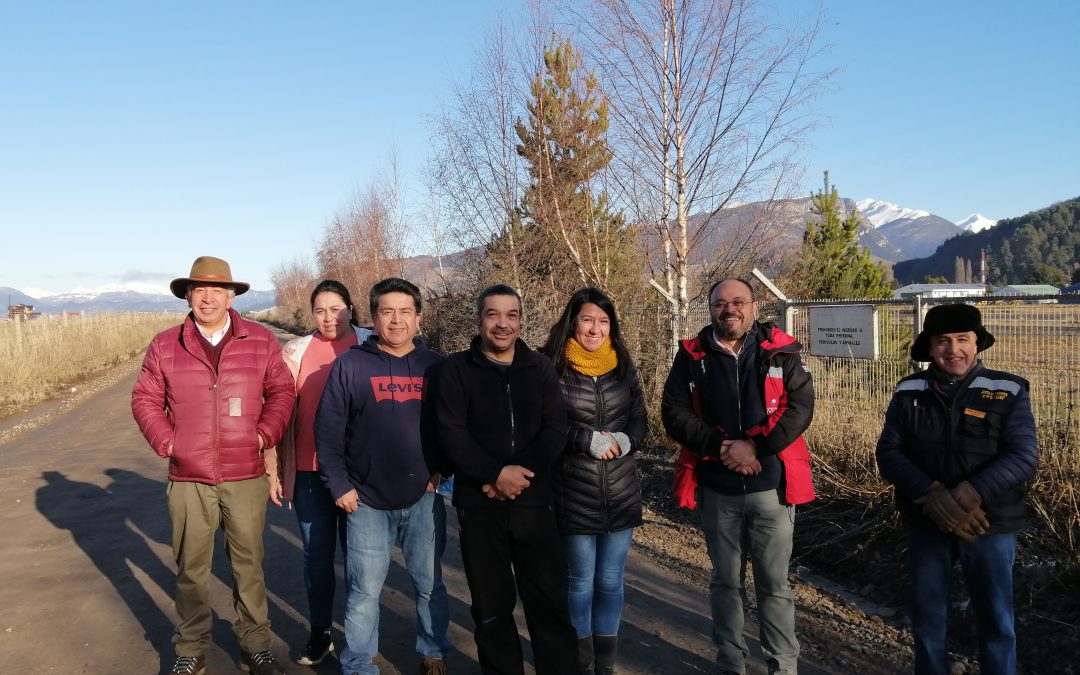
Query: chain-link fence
x=1035 y=340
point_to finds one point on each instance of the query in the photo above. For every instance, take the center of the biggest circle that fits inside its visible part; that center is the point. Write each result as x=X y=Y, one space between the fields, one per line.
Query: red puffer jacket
x=213 y=421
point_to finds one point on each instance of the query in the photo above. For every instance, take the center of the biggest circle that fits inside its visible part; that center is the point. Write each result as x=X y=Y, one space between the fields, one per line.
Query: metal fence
x=1037 y=338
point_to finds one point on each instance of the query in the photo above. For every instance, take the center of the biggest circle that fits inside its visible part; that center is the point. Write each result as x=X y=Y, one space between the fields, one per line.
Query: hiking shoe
x=260 y=663
x=189 y=665
x=433 y=667
x=318 y=647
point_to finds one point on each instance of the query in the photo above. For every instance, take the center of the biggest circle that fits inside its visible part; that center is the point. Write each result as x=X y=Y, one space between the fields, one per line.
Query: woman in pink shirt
x=297 y=472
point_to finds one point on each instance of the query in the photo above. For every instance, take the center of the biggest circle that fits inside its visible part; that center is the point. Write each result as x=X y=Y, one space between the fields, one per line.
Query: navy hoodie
x=370 y=424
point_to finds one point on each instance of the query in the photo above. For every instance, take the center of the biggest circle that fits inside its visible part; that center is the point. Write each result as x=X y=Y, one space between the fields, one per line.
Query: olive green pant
x=197 y=511
x=759 y=527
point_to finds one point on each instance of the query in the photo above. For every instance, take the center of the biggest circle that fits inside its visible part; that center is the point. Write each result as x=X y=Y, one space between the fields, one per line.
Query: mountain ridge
x=126 y=297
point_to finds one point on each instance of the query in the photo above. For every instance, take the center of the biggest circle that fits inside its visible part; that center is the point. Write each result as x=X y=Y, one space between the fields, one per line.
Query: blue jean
x=987 y=564
x=322 y=524
x=420 y=531
x=757 y=526
x=595 y=565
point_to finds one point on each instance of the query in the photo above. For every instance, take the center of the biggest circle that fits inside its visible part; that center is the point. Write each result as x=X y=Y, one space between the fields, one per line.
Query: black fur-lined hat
x=958 y=318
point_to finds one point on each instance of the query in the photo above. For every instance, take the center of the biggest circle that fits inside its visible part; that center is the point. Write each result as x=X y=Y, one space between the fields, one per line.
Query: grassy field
x=46 y=356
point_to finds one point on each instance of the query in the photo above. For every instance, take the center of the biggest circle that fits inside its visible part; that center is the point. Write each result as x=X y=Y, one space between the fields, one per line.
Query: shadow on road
x=98 y=521
x=118 y=527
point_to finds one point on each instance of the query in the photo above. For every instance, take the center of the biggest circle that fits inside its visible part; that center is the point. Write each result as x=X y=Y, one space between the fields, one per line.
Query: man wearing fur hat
x=959 y=446
x=214 y=394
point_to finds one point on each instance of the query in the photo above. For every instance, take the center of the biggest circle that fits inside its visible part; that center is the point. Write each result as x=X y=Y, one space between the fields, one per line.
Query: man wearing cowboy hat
x=959 y=445
x=214 y=394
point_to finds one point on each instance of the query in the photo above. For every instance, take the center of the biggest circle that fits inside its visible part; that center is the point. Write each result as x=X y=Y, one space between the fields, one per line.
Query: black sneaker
x=318 y=647
x=260 y=663
x=189 y=665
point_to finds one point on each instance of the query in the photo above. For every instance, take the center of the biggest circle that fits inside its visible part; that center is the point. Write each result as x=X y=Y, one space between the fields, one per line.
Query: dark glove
x=966 y=496
x=973 y=525
x=941 y=507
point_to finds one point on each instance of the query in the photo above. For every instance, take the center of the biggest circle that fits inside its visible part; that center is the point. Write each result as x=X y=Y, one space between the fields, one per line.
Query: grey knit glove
x=599 y=444
x=624 y=442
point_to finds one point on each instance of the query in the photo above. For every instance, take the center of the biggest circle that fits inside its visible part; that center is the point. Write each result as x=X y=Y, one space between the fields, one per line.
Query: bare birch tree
x=708 y=102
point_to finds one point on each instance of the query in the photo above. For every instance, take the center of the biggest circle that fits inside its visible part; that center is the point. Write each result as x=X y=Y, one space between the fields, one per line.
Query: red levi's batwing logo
x=399 y=389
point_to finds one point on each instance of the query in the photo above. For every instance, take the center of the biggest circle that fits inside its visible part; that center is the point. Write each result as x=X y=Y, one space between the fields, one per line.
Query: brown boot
x=433 y=667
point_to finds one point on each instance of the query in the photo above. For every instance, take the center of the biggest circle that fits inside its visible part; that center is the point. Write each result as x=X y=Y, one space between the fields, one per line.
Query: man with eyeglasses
x=738 y=399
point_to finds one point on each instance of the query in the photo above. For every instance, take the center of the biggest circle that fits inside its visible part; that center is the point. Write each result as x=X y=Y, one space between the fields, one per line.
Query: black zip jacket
x=594 y=496
x=984 y=435
x=696 y=424
x=488 y=419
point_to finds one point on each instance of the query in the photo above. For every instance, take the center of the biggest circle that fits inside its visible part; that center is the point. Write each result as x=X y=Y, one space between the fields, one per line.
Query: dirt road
x=88 y=573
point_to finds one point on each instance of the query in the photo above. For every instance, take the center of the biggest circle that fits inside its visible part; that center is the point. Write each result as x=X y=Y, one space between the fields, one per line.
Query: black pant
x=504 y=544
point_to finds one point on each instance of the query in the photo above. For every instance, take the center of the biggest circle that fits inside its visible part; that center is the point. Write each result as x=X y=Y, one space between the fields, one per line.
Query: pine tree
x=833 y=264
x=570 y=235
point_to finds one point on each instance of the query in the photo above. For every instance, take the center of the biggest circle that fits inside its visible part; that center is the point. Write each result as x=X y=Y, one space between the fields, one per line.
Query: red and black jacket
x=788 y=398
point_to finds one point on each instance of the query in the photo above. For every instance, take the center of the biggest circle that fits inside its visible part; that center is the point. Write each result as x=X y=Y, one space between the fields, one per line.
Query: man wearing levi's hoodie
x=378 y=460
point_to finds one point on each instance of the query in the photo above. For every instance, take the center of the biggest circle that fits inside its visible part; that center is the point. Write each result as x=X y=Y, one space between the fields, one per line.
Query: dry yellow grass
x=40 y=358
x=845 y=432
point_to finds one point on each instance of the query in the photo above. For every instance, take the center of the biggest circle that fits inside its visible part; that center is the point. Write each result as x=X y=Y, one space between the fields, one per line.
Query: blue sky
x=137 y=136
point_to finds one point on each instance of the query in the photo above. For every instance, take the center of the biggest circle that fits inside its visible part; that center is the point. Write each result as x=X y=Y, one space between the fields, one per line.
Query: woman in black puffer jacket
x=597 y=496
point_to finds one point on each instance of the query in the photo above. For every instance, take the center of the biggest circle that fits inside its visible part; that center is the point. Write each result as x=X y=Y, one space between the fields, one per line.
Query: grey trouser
x=197 y=510
x=765 y=525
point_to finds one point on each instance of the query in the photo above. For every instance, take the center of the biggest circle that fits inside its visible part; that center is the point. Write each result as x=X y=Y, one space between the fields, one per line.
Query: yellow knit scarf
x=593 y=364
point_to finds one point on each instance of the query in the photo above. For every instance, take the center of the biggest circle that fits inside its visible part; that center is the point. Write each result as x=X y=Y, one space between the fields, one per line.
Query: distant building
x=1032 y=291
x=939 y=291
x=1070 y=295
x=22 y=312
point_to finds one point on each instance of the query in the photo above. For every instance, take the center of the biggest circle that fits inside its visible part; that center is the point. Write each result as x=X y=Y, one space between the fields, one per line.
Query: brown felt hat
x=942 y=319
x=208 y=270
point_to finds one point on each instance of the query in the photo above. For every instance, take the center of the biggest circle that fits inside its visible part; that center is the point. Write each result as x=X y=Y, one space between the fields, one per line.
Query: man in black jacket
x=959 y=444
x=502 y=425
x=738 y=399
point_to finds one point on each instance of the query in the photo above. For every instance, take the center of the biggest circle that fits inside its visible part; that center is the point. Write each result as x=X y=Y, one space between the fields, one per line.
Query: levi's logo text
x=397 y=388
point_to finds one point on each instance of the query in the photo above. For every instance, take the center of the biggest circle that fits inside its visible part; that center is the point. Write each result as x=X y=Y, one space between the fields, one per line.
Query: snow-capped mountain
x=134 y=296
x=916 y=233
x=976 y=222
x=38 y=293
x=138 y=287
x=880 y=213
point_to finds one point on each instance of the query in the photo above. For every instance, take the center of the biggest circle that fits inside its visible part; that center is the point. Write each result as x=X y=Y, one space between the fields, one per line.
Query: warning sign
x=844 y=330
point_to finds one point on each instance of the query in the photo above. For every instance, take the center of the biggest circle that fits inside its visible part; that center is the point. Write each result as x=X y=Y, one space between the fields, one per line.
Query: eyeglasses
x=734 y=304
